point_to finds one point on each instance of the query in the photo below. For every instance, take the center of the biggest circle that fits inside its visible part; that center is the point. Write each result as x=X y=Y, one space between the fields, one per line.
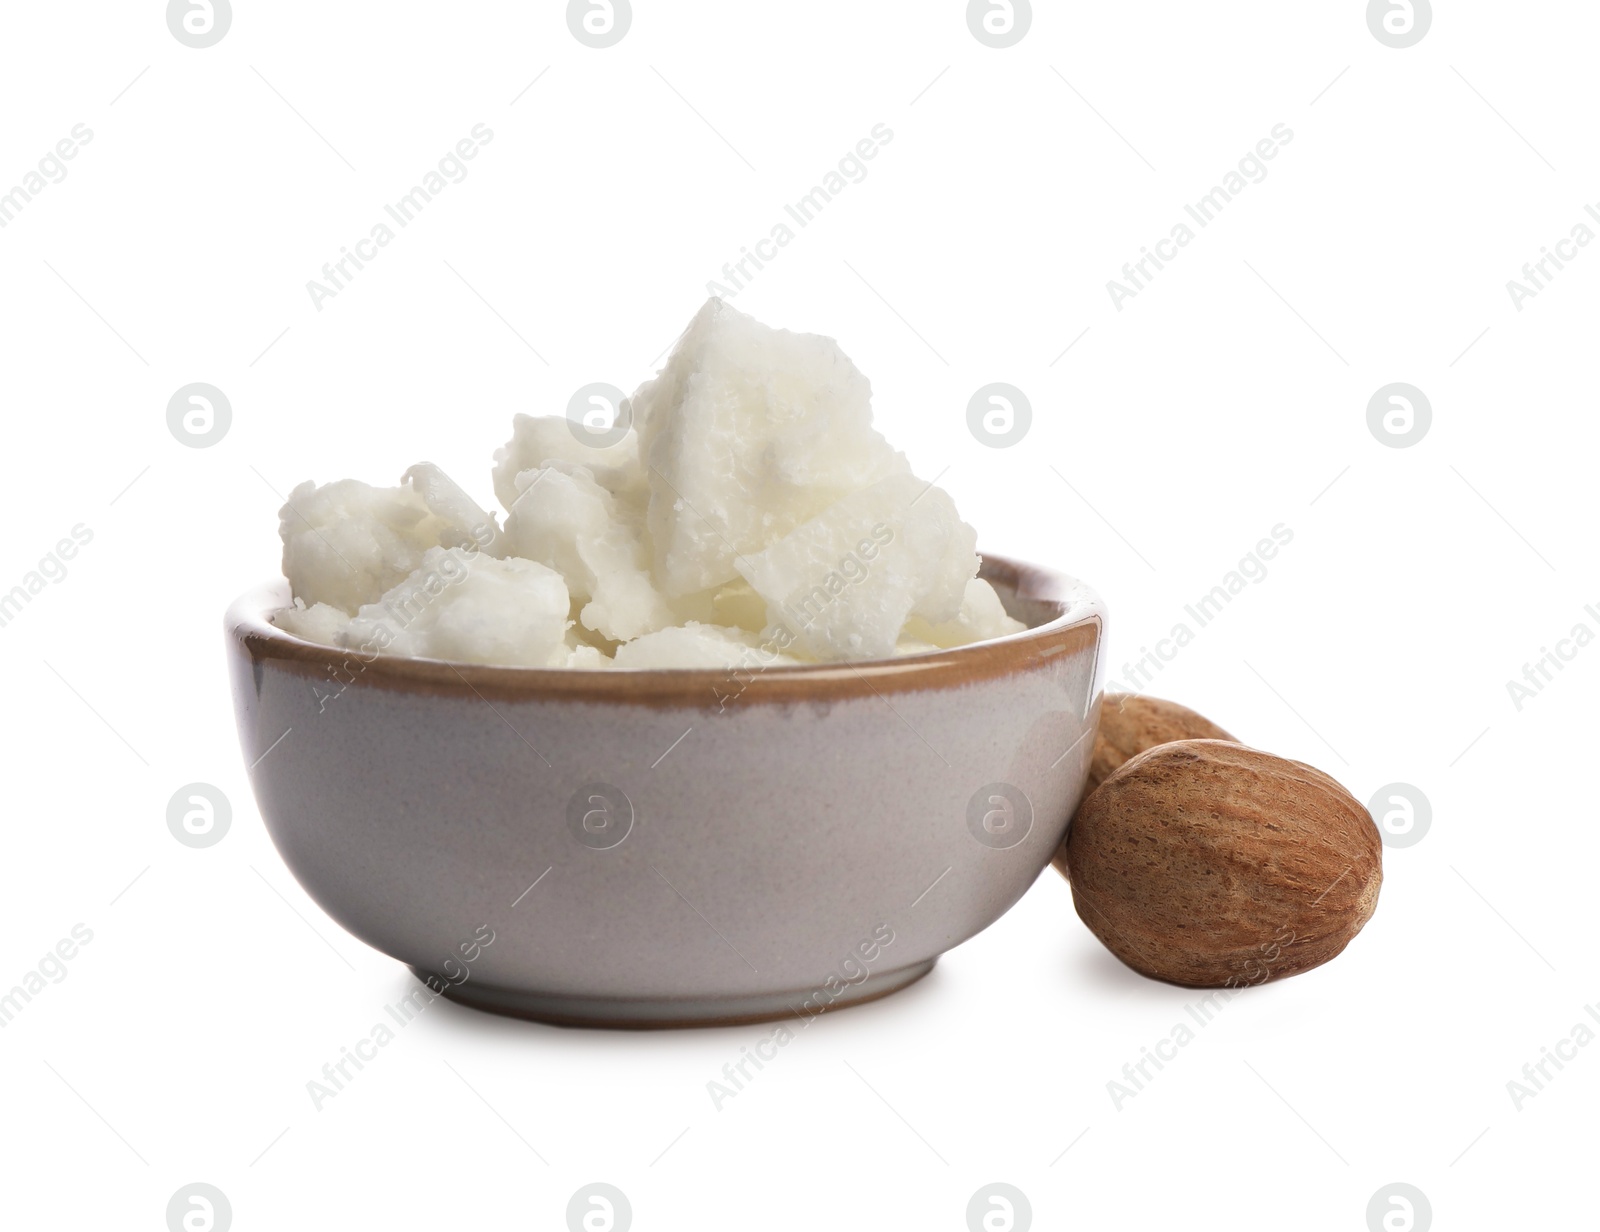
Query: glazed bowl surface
x=657 y=848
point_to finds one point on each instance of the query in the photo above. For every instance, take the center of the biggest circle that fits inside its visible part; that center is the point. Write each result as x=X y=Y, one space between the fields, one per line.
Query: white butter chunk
x=587 y=657
x=321 y=622
x=698 y=645
x=747 y=432
x=845 y=583
x=462 y=521
x=347 y=542
x=982 y=617
x=545 y=440
x=738 y=605
x=562 y=518
x=470 y=608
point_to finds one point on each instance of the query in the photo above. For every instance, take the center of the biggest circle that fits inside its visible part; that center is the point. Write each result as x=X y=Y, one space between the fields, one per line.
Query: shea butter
x=743 y=512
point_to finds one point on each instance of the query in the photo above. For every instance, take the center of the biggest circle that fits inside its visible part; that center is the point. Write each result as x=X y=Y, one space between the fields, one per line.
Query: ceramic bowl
x=665 y=848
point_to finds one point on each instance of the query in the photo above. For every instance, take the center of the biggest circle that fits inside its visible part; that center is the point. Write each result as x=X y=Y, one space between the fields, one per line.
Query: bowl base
x=649 y=1013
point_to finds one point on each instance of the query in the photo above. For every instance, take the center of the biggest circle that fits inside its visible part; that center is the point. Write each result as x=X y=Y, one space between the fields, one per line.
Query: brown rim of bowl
x=1079 y=622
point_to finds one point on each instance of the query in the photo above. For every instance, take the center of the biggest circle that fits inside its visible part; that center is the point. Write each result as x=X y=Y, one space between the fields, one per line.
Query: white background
x=1172 y=436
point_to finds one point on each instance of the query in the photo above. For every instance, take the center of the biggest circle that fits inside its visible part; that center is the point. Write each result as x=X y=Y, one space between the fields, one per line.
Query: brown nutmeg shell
x=1130 y=724
x=1209 y=864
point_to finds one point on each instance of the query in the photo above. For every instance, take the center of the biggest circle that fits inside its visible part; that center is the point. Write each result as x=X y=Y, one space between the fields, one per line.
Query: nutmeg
x=1209 y=864
x=1131 y=723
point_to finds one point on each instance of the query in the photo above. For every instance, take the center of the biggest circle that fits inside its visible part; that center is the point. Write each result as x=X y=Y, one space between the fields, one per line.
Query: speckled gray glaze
x=776 y=839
